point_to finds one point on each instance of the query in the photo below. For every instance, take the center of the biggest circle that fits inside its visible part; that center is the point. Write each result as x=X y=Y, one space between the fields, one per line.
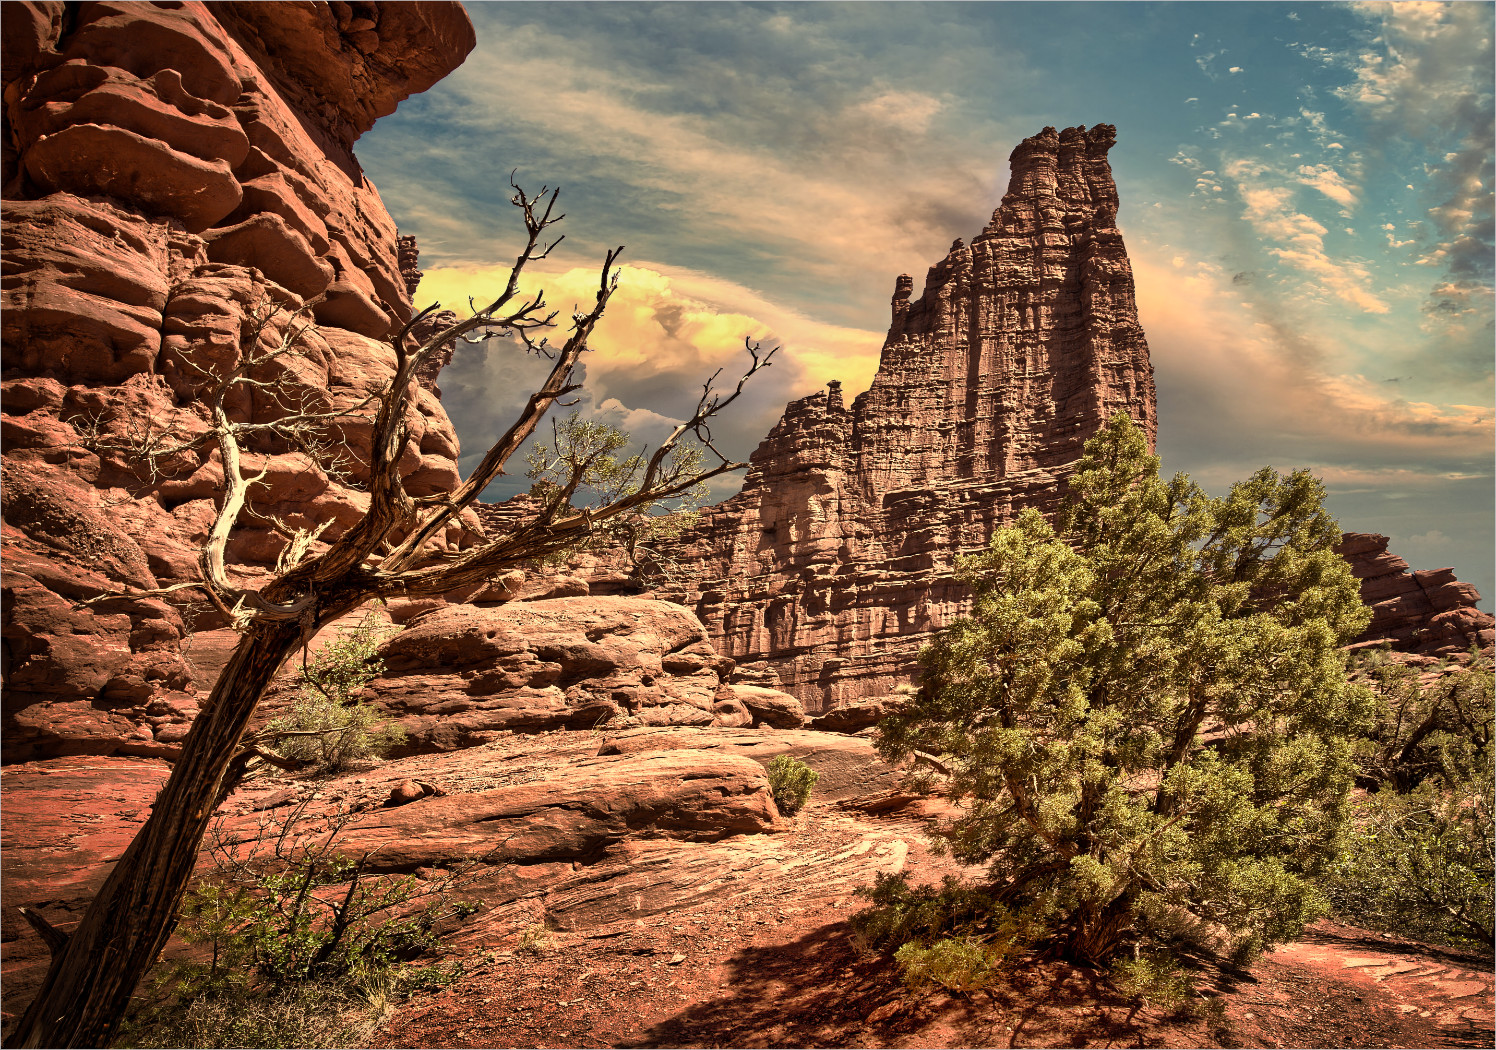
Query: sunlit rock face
x=167 y=167
x=1426 y=611
x=831 y=568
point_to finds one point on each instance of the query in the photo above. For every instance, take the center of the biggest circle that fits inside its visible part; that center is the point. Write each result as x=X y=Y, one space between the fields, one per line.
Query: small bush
x=328 y=727
x=294 y=928
x=955 y=936
x=791 y=781
x=957 y=964
x=1155 y=978
x=330 y=736
x=309 y=1015
x=901 y=913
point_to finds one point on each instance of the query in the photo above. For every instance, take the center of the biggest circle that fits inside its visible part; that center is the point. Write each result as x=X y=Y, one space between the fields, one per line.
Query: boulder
x=460 y=674
x=857 y=716
x=575 y=815
x=848 y=766
x=767 y=707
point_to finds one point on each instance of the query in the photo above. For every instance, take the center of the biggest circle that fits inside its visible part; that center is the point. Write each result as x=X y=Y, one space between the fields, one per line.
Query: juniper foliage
x=1147 y=711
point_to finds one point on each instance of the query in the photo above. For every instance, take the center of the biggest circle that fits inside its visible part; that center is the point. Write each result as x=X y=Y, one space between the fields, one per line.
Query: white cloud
x=1331 y=183
x=1296 y=238
x=1236 y=392
x=1426 y=79
x=665 y=331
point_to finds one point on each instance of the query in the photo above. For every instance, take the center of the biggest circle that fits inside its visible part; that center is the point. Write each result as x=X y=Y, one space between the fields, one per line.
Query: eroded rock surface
x=831 y=568
x=1425 y=611
x=457 y=675
x=534 y=813
x=168 y=170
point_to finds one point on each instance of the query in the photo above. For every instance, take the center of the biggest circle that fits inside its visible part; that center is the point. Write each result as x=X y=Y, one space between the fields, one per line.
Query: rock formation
x=835 y=563
x=1427 y=611
x=167 y=169
x=459 y=675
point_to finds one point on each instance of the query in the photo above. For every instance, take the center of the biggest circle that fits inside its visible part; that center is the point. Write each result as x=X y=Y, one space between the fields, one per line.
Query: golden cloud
x=666 y=321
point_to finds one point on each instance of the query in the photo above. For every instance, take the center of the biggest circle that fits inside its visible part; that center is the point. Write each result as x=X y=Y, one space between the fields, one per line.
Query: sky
x=1306 y=198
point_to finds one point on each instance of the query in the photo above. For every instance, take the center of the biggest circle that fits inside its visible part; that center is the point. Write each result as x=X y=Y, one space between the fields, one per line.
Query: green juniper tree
x=1146 y=714
x=1422 y=857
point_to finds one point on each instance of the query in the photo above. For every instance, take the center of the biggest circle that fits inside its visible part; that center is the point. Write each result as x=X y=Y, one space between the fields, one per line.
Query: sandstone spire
x=835 y=563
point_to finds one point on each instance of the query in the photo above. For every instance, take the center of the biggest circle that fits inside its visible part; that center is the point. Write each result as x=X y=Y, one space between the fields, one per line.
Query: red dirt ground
x=778 y=967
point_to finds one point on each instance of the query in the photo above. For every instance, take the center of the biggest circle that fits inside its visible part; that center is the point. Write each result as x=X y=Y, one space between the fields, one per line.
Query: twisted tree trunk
x=93 y=975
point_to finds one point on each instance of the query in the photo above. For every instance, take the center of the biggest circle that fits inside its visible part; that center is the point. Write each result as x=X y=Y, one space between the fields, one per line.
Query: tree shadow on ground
x=820 y=991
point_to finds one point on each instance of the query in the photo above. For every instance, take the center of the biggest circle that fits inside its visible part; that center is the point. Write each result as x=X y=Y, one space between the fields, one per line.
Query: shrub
x=290 y=922
x=957 y=964
x=900 y=913
x=1154 y=977
x=1419 y=861
x=1147 y=710
x=328 y=727
x=956 y=936
x=791 y=781
x=303 y=1015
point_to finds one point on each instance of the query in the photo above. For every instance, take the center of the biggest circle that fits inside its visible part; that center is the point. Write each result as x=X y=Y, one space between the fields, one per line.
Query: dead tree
x=388 y=554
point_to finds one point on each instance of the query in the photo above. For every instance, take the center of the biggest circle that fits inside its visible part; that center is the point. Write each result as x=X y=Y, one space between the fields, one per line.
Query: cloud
x=1296 y=238
x=666 y=330
x=818 y=172
x=1331 y=183
x=1239 y=388
x=1425 y=80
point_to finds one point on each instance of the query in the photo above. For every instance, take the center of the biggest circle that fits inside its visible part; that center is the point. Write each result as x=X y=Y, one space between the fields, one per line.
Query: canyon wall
x=835 y=563
x=169 y=169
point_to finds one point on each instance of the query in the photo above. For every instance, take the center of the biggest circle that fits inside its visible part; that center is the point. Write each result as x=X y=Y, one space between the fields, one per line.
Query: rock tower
x=835 y=563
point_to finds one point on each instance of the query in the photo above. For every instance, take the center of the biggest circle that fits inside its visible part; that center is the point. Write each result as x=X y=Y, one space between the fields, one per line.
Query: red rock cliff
x=166 y=168
x=835 y=563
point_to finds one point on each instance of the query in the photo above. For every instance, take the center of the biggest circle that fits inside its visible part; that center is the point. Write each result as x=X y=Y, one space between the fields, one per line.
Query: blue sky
x=1306 y=198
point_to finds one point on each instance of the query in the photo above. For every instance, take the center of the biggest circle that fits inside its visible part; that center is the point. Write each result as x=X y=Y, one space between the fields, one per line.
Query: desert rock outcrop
x=1425 y=611
x=835 y=563
x=458 y=675
x=168 y=170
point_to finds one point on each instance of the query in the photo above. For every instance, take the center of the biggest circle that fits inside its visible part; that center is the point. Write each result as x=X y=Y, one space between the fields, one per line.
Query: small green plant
x=955 y=935
x=589 y=464
x=303 y=1015
x=791 y=781
x=1156 y=978
x=328 y=727
x=957 y=964
x=294 y=926
x=534 y=939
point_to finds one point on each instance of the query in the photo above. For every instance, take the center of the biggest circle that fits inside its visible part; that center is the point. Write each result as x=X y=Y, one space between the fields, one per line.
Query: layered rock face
x=835 y=563
x=459 y=675
x=168 y=170
x=1427 y=611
